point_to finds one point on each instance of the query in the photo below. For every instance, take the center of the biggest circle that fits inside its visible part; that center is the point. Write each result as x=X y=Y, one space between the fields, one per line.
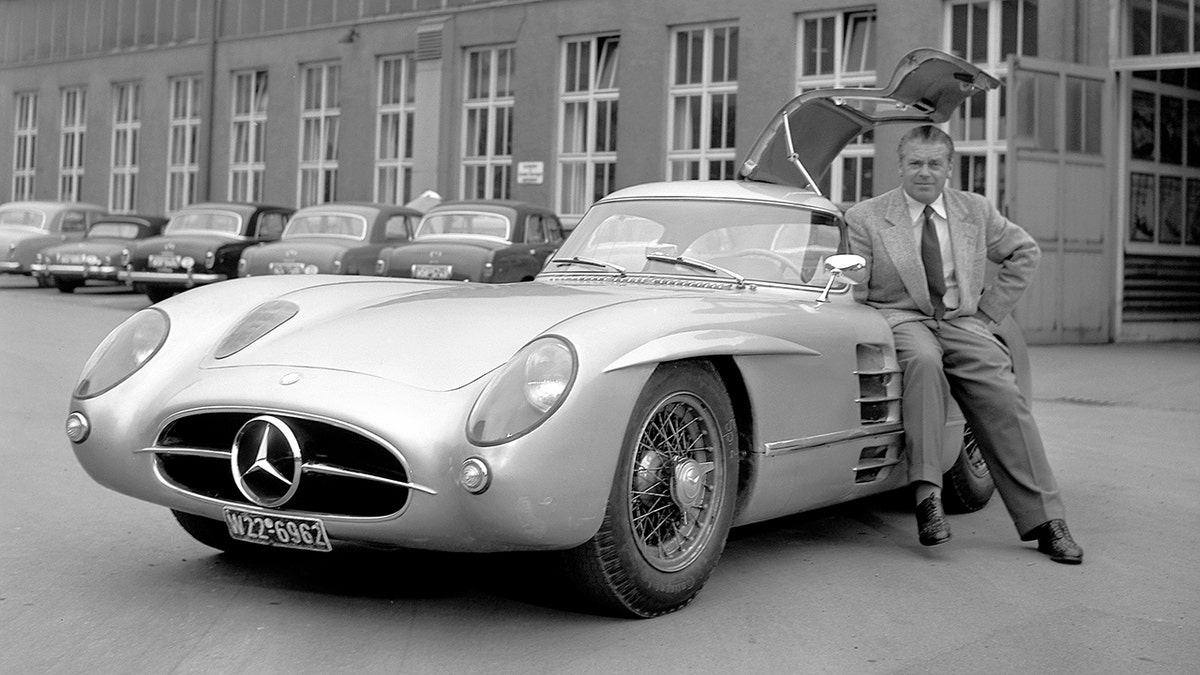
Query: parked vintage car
x=333 y=238
x=492 y=241
x=200 y=245
x=690 y=360
x=97 y=256
x=28 y=227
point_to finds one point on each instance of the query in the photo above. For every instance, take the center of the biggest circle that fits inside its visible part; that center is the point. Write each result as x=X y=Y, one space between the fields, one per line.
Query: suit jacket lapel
x=963 y=236
x=902 y=249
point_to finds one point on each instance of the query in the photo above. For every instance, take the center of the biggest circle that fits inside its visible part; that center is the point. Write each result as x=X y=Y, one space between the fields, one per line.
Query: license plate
x=420 y=271
x=287 y=531
x=164 y=260
x=287 y=267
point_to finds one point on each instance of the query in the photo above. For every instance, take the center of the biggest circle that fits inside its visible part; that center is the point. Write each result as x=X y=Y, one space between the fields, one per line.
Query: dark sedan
x=334 y=238
x=200 y=245
x=492 y=241
x=98 y=255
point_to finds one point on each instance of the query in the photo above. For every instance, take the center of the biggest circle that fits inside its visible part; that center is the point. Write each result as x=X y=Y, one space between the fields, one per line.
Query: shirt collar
x=915 y=208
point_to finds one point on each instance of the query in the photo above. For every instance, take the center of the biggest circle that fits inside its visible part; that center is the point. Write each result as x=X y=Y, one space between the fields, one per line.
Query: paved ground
x=91 y=581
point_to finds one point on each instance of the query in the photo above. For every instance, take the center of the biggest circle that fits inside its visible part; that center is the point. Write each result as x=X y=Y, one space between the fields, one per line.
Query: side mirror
x=838 y=266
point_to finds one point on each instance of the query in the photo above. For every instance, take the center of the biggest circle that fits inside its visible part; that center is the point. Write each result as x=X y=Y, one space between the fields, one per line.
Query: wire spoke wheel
x=674 y=483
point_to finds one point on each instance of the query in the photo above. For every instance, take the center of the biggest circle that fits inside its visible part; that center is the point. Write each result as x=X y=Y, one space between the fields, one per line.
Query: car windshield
x=22 y=218
x=464 y=223
x=206 y=222
x=326 y=225
x=113 y=230
x=764 y=242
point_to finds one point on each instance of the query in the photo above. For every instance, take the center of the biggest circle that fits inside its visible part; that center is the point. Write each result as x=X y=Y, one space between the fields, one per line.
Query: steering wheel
x=785 y=263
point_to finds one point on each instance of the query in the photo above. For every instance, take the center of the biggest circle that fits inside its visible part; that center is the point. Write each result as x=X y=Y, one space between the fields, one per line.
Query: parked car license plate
x=163 y=260
x=287 y=267
x=420 y=271
x=286 y=531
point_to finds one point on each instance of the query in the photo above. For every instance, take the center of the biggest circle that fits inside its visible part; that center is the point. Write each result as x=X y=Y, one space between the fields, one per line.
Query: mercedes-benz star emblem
x=266 y=461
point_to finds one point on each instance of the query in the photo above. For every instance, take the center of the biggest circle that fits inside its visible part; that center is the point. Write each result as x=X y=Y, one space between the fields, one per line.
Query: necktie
x=931 y=257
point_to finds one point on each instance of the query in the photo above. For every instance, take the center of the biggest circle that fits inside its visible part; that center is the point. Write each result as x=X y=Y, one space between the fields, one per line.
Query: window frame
x=586 y=170
x=246 y=177
x=25 y=129
x=72 y=133
x=394 y=120
x=705 y=159
x=184 y=118
x=488 y=174
x=126 y=137
x=316 y=174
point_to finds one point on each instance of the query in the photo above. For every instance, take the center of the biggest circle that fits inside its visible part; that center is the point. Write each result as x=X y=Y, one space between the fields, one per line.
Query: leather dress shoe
x=1054 y=539
x=931 y=521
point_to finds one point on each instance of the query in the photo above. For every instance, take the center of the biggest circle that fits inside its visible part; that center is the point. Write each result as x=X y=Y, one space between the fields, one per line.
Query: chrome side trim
x=797 y=444
x=338 y=471
x=191 y=452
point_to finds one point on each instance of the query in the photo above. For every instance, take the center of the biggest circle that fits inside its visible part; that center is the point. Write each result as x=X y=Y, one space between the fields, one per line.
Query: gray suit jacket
x=880 y=231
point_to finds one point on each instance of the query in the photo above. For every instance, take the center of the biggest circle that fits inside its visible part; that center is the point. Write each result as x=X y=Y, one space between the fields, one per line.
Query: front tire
x=215 y=534
x=158 y=293
x=968 y=485
x=672 y=498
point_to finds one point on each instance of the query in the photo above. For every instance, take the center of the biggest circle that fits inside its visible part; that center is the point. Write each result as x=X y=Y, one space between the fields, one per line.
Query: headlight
x=526 y=391
x=312 y=269
x=260 y=321
x=187 y=262
x=123 y=352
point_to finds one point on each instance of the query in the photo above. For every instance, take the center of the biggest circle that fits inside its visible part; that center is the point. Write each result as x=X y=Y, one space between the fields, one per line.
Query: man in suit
x=926 y=248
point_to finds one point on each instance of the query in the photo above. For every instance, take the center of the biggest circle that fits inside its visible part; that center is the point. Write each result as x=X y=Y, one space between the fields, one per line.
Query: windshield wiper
x=576 y=260
x=697 y=264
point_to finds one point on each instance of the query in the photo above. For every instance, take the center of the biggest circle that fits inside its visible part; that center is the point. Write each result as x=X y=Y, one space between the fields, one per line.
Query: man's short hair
x=926 y=133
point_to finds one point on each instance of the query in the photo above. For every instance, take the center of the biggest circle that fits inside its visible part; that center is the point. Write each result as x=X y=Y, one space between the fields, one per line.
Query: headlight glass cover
x=260 y=321
x=524 y=393
x=123 y=352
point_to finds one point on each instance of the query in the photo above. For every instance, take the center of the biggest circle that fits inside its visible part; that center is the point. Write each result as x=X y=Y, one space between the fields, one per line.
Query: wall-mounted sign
x=530 y=173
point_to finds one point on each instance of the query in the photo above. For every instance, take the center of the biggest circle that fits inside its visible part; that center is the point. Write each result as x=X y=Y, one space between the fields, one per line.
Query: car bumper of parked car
x=12 y=267
x=102 y=272
x=180 y=279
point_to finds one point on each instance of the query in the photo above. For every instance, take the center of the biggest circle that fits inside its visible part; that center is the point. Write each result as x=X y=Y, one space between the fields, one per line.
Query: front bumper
x=548 y=489
x=12 y=267
x=180 y=279
x=101 y=272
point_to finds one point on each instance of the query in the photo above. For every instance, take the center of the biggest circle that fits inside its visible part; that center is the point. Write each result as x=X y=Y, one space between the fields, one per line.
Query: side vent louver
x=878 y=403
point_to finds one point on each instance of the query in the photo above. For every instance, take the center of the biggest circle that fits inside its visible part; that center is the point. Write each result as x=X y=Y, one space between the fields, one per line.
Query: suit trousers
x=960 y=357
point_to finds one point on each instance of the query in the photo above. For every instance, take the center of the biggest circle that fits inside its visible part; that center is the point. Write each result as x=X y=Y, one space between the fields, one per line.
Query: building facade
x=1093 y=145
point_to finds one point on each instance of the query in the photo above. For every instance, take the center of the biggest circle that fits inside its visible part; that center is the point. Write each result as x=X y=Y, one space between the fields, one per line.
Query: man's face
x=924 y=169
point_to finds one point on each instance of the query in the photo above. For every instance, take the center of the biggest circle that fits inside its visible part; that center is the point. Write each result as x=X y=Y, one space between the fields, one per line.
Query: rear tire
x=968 y=485
x=672 y=498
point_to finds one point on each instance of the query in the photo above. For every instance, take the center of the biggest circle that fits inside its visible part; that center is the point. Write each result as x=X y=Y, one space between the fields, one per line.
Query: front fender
x=703 y=343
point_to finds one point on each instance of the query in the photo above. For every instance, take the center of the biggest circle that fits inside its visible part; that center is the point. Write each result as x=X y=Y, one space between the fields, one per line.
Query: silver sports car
x=690 y=360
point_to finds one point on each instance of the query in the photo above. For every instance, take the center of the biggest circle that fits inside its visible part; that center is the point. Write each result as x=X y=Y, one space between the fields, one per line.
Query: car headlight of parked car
x=123 y=352
x=524 y=393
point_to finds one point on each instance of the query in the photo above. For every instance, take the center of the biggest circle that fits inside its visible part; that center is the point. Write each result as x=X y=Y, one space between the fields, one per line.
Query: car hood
x=9 y=235
x=97 y=246
x=430 y=336
x=803 y=138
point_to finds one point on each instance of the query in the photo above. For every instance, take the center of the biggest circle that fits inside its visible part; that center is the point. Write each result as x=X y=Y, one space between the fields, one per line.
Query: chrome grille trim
x=193 y=453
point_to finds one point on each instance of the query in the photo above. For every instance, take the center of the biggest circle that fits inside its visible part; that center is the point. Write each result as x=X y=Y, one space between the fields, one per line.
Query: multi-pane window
x=587 y=143
x=985 y=33
x=320 y=113
x=24 y=145
x=1164 y=162
x=127 y=126
x=248 y=140
x=488 y=124
x=838 y=50
x=183 y=165
x=703 y=102
x=394 y=130
x=1161 y=27
x=73 y=125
